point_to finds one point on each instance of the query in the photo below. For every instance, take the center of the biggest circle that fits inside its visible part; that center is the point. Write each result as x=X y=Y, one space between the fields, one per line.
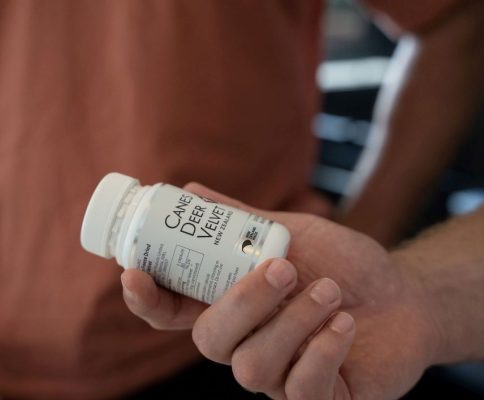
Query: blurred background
x=217 y=92
x=357 y=57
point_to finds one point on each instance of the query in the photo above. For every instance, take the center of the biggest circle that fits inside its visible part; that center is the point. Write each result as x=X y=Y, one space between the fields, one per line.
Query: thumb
x=161 y=308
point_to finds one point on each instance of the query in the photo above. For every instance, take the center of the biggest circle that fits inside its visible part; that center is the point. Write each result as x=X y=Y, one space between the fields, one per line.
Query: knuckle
x=152 y=319
x=330 y=354
x=295 y=390
x=156 y=319
x=133 y=306
x=342 y=395
x=206 y=341
x=158 y=325
x=238 y=295
x=138 y=307
x=299 y=388
x=304 y=322
x=249 y=371
x=202 y=337
x=310 y=219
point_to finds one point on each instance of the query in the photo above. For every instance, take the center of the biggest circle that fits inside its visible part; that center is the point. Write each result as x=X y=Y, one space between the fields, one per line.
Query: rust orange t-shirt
x=175 y=90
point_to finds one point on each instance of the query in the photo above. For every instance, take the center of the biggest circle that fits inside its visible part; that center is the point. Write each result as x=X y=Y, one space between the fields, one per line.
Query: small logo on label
x=247 y=247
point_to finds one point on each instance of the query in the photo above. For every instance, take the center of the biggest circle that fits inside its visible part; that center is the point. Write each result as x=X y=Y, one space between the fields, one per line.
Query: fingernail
x=280 y=274
x=342 y=323
x=325 y=292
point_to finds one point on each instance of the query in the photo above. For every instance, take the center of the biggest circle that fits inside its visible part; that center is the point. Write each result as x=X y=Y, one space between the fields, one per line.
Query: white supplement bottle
x=187 y=243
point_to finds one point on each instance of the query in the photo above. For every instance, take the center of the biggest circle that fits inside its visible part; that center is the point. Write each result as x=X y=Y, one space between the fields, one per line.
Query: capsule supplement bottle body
x=187 y=243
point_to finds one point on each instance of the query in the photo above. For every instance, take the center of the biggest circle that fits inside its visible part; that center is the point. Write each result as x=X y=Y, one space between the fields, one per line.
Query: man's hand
x=281 y=327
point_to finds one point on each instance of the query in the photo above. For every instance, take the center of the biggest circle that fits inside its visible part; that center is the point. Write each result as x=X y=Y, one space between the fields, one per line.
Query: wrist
x=418 y=294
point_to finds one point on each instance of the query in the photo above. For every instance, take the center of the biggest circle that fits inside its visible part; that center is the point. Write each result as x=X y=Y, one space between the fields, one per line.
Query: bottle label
x=195 y=246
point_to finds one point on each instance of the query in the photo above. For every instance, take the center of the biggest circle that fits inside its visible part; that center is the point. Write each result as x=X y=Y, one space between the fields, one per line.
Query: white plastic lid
x=101 y=212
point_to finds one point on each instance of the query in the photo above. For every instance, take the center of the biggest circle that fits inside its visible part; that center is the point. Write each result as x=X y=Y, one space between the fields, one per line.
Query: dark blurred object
x=357 y=54
x=439 y=383
x=207 y=380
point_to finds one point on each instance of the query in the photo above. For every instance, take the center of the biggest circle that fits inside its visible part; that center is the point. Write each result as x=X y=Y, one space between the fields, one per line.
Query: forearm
x=447 y=264
x=427 y=102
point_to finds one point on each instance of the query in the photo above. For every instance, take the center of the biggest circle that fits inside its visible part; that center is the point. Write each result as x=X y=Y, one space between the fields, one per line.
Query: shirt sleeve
x=397 y=17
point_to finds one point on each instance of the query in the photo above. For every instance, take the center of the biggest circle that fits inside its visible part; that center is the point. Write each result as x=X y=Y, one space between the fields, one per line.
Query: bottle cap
x=102 y=210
